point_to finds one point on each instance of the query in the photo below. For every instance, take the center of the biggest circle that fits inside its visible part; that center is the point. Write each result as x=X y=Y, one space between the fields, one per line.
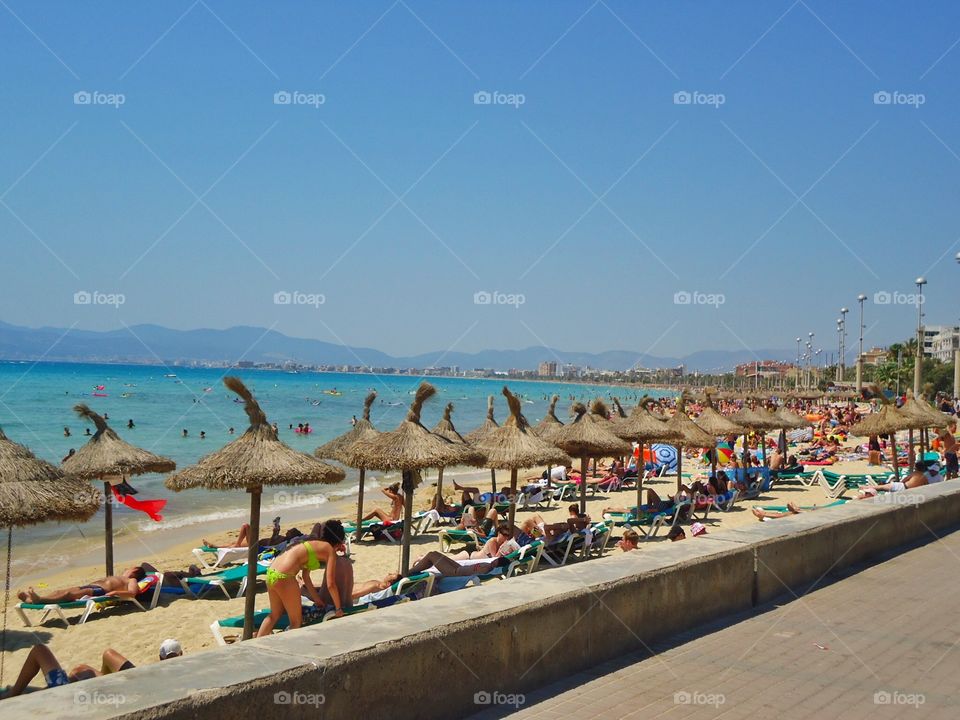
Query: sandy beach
x=138 y=635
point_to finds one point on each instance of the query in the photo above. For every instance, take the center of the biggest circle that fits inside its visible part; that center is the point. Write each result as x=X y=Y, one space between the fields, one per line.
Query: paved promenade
x=880 y=643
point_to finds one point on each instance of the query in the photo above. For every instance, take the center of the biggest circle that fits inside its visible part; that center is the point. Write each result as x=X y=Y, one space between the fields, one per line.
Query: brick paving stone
x=861 y=648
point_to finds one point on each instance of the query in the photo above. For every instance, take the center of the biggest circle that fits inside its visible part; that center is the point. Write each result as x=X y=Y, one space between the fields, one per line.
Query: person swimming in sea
x=130 y=424
x=66 y=432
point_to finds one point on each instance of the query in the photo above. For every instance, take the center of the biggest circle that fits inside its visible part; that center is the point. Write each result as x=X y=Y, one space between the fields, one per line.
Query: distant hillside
x=152 y=344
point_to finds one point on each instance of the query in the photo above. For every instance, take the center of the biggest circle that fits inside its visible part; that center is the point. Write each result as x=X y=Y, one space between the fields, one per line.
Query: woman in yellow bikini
x=282 y=587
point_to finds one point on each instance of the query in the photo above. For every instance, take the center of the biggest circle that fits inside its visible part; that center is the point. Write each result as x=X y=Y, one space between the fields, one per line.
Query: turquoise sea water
x=36 y=402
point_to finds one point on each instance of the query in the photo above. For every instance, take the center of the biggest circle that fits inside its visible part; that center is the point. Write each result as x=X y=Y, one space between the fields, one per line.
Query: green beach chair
x=197 y=587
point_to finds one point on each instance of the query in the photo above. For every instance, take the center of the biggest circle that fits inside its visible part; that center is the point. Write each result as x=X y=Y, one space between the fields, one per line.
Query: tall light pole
x=816 y=361
x=918 y=366
x=798 y=346
x=809 y=356
x=843 y=343
x=838 y=376
x=861 y=298
x=956 y=363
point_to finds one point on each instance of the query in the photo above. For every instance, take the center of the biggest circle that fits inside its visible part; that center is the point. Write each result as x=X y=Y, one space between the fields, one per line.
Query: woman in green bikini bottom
x=282 y=587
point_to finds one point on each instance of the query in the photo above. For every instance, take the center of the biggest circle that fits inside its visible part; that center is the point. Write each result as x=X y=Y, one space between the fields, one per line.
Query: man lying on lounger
x=121 y=586
x=919 y=477
x=42 y=660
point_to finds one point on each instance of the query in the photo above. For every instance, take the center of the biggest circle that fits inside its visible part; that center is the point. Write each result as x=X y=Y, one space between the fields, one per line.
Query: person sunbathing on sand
x=123 y=586
x=243 y=537
x=42 y=660
x=762 y=514
x=396 y=505
x=917 y=478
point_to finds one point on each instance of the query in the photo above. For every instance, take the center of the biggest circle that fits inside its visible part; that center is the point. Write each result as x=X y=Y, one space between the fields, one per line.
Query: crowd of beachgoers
x=469 y=532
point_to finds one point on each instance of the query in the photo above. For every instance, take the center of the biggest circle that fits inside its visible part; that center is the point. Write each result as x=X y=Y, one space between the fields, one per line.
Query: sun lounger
x=149 y=593
x=450 y=536
x=223 y=556
x=420 y=585
x=784 y=508
x=236 y=622
x=377 y=529
x=197 y=587
x=836 y=484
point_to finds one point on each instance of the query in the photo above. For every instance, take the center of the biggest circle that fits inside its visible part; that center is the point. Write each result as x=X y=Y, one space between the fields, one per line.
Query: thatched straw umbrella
x=256 y=458
x=337 y=449
x=476 y=435
x=590 y=435
x=712 y=422
x=550 y=422
x=641 y=427
x=918 y=409
x=514 y=445
x=34 y=491
x=758 y=422
x=691 y=436
x=411 y=448
x=106 y=457
x=888 y=421
x=446 y=429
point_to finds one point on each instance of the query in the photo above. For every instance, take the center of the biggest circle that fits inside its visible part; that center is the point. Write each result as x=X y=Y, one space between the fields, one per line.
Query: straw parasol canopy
x=34 y=491
x=790 y=420
x=550 y=422
x=445 y=429
x=923 y=412
x=589 y=435
x=692 y=435
x=711 y=421
x=618 y=411
x=514 y=445
x=411 y=448
x=107 y=456
x=256 y=458
x=338 y=448
x=476 y=435
x=887 y=421
x=641 y=427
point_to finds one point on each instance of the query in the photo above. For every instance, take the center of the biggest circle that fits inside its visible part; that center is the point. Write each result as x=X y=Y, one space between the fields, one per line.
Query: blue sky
x=398 y=198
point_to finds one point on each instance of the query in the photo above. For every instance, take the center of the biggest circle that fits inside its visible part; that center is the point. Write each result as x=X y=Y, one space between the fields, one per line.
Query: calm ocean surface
x=36 y=404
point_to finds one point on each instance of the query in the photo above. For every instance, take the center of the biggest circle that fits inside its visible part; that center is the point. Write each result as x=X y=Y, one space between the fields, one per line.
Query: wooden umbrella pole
x=493 y=480
x=641 y=470
x=763 y=447
x=407 y=519
x=679 y=467
x=363 y=476
x=584 y=463
x=253 y=549
x=911 y=455
x=513 y=502
x=439 y=487
x=108 y=525
x=896 y=462
x=6 y=601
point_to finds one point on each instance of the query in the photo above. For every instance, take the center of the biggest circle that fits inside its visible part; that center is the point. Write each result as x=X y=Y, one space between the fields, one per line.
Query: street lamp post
x=918 y=366
x=843 y=343
x=860 y=298
x=798 y=348
x=809 y=355
x=838 y=376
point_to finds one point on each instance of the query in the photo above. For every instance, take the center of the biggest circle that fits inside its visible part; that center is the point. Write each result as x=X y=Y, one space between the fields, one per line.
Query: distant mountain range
x=153 y=344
